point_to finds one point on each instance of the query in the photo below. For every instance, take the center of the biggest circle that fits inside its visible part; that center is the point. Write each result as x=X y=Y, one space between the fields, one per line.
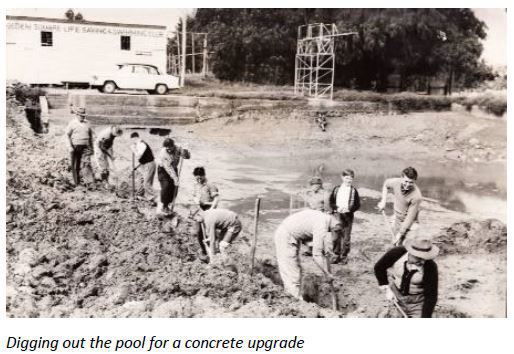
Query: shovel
x=330 y=281
x=206 y=242
x=399 y=308
x=393 y=237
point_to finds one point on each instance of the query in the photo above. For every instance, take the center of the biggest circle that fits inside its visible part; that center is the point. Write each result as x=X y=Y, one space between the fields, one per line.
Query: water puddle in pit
x=479 y=189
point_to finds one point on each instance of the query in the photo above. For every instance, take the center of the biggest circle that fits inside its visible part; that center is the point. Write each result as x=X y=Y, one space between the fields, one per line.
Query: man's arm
x=320 y=233
x=385 y=189
x=357 y=201
x=69 y=133
x=386 y=262
x=185 y=154
x=430 y=283
x=411 y=216
x=138 y=150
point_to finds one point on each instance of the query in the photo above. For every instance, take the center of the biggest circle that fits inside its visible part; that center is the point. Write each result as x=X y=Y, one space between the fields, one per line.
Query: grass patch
x=404 y=102
x=494 y=102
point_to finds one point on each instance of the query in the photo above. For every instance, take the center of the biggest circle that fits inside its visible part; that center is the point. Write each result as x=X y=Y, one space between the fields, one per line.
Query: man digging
x=104 y=151
x=221 y=227
x=307 y=225
x=407 y=200
x=145 y=169
x=413 y=283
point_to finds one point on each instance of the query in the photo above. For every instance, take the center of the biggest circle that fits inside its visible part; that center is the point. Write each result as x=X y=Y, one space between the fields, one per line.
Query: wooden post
x=183 y=62
x=255 y=229
x=290 y=204
x=178 y=55
x=175 y=193
x=193 y=70
x=133 y=177
x=204 y=66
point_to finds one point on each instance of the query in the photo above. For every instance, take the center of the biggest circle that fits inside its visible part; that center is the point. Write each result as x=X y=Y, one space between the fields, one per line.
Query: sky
x=495 y=45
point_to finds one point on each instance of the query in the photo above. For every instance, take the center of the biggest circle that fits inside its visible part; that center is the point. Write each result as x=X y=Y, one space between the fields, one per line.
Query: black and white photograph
x=256 y=163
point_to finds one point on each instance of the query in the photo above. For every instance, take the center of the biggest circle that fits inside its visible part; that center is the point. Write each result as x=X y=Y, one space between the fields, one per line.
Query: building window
x=125 y=42
x=47 y=39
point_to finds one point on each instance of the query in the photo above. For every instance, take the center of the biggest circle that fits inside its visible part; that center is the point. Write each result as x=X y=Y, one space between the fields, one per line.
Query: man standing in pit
x=145 y=168
x=345 y=201
x=317 y=198
x=205 y=194
x=80 y=140
x=407 y=201
x=104 y=150
x=167 y=173
x=307 y=225
x=221 y=226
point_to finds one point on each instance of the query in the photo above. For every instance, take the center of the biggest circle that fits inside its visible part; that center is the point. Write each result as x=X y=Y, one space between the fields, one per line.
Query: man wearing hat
x=316 y=197
x=104 y=150
x=304 y=226
x=167 y=172
x=80 y=140
x=413 y=282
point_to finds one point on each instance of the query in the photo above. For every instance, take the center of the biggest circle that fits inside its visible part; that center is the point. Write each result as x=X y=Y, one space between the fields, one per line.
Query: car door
x=142 y=78
x=125 y=77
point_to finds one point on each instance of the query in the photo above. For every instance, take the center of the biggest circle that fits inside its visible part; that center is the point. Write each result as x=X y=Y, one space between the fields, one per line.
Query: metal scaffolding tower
x=315 y=60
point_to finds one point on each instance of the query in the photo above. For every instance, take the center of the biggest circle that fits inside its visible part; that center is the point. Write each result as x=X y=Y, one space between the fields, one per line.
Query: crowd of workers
x=406 y=272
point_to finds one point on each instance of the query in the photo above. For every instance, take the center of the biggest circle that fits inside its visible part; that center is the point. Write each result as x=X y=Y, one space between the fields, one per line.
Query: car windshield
x=153 y=71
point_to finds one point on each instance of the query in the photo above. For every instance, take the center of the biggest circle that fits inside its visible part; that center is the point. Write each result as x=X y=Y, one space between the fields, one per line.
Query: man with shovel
x=104 y=150
x=168 y=160
x=307 y=225
x=407 y=201
x=145 y=168
x=220 y=226
x=413 y=284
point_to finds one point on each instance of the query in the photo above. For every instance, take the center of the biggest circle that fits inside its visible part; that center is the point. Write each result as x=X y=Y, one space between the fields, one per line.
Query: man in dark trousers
x=344 y=202
x=80 y=141
x=413 y=283
x=167 y=172
x=145 y=168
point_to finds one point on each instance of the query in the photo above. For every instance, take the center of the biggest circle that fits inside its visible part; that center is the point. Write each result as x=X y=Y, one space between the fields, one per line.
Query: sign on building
x=53 y=51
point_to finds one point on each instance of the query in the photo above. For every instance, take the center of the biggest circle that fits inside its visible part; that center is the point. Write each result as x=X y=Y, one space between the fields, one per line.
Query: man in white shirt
x=304 y=226
x=344 y=202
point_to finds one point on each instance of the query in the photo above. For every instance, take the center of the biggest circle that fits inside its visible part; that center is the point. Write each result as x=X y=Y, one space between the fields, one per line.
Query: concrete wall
x=79 y=50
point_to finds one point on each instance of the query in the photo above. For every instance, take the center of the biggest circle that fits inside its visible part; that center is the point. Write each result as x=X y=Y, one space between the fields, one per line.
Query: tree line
x=415 y=46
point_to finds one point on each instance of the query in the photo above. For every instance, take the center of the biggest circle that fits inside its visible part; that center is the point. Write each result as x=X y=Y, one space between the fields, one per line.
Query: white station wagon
x=135 y=77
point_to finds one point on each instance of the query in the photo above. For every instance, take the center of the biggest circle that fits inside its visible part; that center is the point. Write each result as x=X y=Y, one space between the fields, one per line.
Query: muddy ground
x=79 y=253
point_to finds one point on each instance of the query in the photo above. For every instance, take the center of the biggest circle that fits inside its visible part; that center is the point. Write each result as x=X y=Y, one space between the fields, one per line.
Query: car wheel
x=161 y=89
x=109 y=87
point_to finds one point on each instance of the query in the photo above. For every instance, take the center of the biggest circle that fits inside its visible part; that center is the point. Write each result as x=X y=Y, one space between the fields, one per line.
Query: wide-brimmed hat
x=316 y=180
x=80 y=111
x=422 y=248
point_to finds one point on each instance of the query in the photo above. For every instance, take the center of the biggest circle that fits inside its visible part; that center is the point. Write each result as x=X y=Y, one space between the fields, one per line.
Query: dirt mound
x=469 y=236
x=89 y=253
